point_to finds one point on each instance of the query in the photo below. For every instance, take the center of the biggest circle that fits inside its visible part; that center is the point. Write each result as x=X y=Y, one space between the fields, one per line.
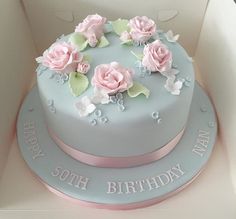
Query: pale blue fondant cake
x=111 y=96
x=126 y=126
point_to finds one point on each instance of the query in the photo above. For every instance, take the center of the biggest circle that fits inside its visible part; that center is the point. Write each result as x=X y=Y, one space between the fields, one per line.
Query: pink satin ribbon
x=116 y=162
x=127 y=206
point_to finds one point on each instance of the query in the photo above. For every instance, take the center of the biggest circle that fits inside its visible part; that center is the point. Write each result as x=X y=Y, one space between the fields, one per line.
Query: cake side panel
x=124 y=133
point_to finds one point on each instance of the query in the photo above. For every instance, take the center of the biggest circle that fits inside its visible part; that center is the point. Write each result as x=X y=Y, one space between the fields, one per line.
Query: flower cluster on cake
x=70 y=61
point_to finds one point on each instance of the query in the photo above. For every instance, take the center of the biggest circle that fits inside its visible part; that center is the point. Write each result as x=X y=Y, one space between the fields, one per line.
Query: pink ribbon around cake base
x=117 y=162
x=128 y=206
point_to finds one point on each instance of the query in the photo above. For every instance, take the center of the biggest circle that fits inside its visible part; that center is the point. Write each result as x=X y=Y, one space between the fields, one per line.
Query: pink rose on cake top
x=112 y=78
x=61 y=57
x=142 y=28
x=92 y=28
x=157 y=57
x=65 y=59
x=137 y=30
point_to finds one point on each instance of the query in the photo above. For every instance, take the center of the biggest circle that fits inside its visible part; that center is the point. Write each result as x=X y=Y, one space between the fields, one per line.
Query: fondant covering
x=126 y=133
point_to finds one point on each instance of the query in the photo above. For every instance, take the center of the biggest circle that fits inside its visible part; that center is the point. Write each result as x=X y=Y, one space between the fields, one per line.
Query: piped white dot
x=52 y=109
x=174 y=66
x=121 y=108
x=51 y=75
x=120 y=102
x=203 y=109
x=155 y=115
x=181 y=80
x=104 y=119
x=98 y=113
x=211 y=124
x=61 y=81
x=187 y=83
x=93 y=122
x=142 y=75
x=119 y=96
x=188 y=79
x=50 y=102
x=113 y=99
x=31 y=109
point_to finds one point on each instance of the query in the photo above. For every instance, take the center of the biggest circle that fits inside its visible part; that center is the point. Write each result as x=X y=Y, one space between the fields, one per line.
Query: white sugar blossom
x=100 y=96
x=85 y=106
x=172 y=86
x=170 y=73
x=190 y=59
x=39 y=59
x=170 y=36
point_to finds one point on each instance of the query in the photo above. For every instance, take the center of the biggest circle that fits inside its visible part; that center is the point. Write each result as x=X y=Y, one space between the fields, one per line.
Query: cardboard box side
x=49 y=19
x=17 y=64
x=216 y=60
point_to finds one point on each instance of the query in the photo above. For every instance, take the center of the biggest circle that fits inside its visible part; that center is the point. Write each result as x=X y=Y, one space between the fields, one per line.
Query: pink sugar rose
x=61 y=57
x=141 y=28
x=83 y=67
x=92 y=28
x=156 y=57
x=112 y=78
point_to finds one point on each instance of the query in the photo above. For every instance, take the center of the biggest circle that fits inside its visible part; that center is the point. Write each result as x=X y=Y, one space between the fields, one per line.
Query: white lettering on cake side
x=147 y=184
x=31 y=140
x=71 y=178
x=202 y=143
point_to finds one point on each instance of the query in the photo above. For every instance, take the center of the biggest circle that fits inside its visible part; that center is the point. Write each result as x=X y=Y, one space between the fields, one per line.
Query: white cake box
x=207 y=32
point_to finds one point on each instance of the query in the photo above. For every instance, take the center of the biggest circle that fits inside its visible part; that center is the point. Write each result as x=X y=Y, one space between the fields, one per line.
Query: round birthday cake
x=115 y=95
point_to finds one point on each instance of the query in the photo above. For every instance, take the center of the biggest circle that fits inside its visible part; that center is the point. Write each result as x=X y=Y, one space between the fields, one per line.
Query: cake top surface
x=122 y=70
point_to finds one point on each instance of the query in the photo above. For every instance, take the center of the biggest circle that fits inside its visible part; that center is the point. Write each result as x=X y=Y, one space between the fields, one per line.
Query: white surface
x=49 y=19
x=209 y=196
x=17 y=54
x=216 y=58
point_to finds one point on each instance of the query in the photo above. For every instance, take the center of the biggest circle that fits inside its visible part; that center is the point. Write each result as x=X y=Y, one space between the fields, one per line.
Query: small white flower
x=170 y=73
x=172 y=86
x=39 y=59
x=190 y=59
x=100 y=96
x=125 y=36
x=170 y=36
x=85 y=106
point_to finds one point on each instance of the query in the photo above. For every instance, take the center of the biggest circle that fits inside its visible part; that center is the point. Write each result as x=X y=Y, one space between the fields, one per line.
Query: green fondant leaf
x=138 y=89
x=103 y=42
x=79 y=41
x=87 y=58
x=78 y=83
x=128 y=43
x=120 y=25
x=139 y=56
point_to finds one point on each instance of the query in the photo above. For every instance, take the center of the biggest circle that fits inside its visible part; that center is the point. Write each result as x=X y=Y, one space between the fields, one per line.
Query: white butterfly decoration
x=170 y=36
x=172 y=86
x=170 y=73
x=39 y=59
x=85 y=106
x=100 y=96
